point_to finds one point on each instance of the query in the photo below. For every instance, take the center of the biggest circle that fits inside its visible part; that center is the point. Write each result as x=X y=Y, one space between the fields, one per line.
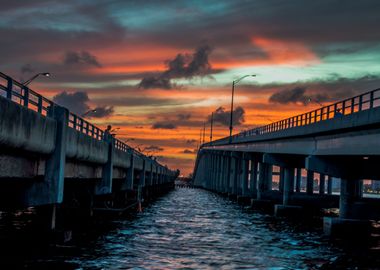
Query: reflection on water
x=195 y=229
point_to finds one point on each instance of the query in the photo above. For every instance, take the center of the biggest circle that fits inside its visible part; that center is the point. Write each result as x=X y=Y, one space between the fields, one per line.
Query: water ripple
x=195 y=229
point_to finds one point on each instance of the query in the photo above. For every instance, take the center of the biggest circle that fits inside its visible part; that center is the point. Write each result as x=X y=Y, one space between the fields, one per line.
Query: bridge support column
x=263 y=186
x=286 y=209
x=233 y=176
x=50 y=190
x=214 y=172
x=156 y=177
x=265 y=179
x=310 y=182
x=281 y=180
x=350 y=192
x=220 y=174
x=288 y=184
x=253 y=175
x=329 y=185
x=351 y=215
x=239 y=172
x=322 y=183
x=226 y=172
x=208 y=170
x=215 y=177
x=244 y=197
x=354 y=214
x=141 y=184
x=105 y=186
x=128 y=183
x=298 y=179
x=245 y=177
x=150 y=178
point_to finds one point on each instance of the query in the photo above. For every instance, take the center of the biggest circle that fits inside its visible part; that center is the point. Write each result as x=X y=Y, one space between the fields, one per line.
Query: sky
x=156 y=70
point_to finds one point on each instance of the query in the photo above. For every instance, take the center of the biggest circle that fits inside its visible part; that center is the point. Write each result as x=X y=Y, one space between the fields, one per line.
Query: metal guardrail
x=362 y=102
x=24 y=96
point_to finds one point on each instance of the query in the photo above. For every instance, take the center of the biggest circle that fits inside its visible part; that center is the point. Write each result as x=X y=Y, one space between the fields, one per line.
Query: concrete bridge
x=49 y=155
x=338 y=141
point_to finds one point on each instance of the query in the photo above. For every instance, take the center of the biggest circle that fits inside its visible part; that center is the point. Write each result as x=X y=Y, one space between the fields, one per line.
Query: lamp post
x=211 y=124
x=235 y=82
x=46 y=74
x=90 y=111
x=204 y=132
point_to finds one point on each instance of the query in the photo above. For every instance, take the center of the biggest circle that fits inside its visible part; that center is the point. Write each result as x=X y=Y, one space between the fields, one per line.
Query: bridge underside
x=323 y=165
x=45 y=160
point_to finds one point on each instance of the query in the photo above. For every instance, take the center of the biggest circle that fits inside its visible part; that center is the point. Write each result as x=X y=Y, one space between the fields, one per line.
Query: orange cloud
x=278 y=52
x=285 y=52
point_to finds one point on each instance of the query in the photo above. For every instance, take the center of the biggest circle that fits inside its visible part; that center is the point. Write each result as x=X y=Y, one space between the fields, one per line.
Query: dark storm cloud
x=76 y=102
x=153 y=149
x=164 y=125
x=139 y=101
x=290 y=96
x=182 y=66
x=188 y=66
x=222 y=116
x=81 y=58
x=187 y=151
x=320 y=91
x=153 y=82
x=183 y=116
x=46 y=27
x=100 y=112
x=191 y=142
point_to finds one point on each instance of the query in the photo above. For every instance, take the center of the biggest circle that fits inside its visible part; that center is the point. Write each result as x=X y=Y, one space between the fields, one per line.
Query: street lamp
x=235 y=82
x=46 y=74
x=211 y=125
x=90 y=111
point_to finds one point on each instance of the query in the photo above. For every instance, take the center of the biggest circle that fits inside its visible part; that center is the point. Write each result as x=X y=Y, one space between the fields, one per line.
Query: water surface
x=196 y=229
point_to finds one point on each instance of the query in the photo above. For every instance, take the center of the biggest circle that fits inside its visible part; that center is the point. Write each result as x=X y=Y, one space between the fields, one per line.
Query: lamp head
x=46 y=74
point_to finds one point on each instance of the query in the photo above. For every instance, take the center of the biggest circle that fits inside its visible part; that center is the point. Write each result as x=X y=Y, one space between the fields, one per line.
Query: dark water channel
x=187 y=229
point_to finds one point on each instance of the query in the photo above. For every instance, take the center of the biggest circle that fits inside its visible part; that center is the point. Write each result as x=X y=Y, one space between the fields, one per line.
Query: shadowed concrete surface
x=52 y=159
x=290 y=166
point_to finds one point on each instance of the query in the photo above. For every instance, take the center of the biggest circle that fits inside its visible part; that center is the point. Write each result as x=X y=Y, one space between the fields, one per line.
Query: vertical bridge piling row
x=320 y=158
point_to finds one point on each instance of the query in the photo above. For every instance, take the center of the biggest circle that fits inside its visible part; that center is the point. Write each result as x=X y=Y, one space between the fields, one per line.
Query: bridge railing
x=24 y=96
x=362 y=102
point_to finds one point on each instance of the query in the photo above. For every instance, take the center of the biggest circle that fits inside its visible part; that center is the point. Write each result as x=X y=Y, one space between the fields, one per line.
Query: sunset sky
x=157 y=69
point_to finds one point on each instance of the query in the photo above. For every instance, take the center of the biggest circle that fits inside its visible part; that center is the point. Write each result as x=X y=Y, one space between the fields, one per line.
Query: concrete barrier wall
x=31 y=136
x=358 y=120
x=84 y=148
x=138 y=163
x=25 y=129
x=121 y=159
